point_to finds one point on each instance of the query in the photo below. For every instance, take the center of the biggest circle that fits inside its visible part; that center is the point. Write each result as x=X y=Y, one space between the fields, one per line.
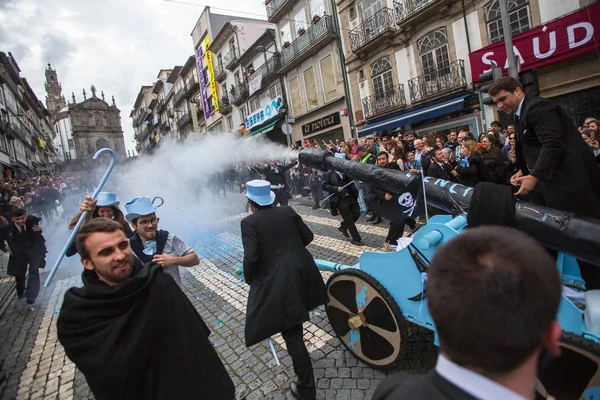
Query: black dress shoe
x=372 y=218
x=29 y=301
x=357 y=242
x=344 y=231
x=377 y=220
x=294 y=391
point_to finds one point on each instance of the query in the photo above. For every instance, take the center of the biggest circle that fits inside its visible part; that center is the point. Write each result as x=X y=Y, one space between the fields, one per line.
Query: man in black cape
x=130 y=329
x=285 y=283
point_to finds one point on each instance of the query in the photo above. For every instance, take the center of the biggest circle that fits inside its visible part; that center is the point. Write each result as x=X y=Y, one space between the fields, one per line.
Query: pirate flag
x=407 y=203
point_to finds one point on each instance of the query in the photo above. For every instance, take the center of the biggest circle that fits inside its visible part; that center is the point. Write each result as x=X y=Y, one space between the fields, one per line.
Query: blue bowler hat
x=107 y=199
x=141 y=206
x=260 y=192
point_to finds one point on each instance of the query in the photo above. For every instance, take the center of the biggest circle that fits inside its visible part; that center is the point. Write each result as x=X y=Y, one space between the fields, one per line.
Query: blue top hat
x=141 y=206
x=260 y=192
x=107 y=199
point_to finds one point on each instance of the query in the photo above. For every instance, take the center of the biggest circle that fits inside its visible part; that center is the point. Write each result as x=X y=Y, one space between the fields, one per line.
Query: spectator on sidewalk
x=492 y=335
x=131 y=331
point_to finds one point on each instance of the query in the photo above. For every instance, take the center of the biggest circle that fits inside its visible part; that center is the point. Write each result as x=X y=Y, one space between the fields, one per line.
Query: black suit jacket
x=435 y=171
x=285 y=283
x=551 y=148
x=432 y=386
x=23 y=246
x=331 y=183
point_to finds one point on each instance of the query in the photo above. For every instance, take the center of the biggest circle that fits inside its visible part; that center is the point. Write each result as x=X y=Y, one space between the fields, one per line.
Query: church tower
x=55 y=101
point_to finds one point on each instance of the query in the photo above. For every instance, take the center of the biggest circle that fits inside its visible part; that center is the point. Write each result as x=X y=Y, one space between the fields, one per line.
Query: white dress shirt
x=518 y=112
x=471 y=382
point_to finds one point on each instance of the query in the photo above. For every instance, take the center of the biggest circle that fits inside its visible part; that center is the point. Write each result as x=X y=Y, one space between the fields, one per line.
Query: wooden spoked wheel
x=366 y=318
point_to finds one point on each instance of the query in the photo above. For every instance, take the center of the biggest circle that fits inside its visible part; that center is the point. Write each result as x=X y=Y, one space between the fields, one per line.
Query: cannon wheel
x=572 y=375
x=366 y=318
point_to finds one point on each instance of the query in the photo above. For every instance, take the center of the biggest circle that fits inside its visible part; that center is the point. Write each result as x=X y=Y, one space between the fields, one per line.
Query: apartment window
x=300 y=20
x=352 y=13
x=230 y=124
x=220 y=62
x=295 y=95
x=224 y=91
x=286 y=34
x=3 y=144
x=370 y=8
x=434 y=54
x=317 y=7
x=310 y=87
x=243 y=113
x=71 y=144
x=237 y=78
x=275 y=91
x=328 y=78
x=254 y=104
x=381 y=77
x=518 y=15
x=232 y=46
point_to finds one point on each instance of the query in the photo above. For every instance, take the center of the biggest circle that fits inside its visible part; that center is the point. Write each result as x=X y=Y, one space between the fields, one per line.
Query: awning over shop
x=419 y=114
x=261 y=130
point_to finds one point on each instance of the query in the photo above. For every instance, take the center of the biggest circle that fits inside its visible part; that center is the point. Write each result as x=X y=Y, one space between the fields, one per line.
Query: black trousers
x=294 y=340
x=316 y=195
x=29 y=284
x=396 y=231
x=350 y=212
x=281 y=197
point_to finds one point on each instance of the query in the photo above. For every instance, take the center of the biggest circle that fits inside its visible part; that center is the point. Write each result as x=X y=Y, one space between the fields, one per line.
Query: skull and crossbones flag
x=407 y=203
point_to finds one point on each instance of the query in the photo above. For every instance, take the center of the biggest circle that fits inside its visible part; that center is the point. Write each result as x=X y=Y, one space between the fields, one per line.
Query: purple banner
x=199 y=58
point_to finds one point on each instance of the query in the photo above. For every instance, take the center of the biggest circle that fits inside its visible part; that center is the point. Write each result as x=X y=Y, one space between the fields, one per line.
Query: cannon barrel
x=562 y=231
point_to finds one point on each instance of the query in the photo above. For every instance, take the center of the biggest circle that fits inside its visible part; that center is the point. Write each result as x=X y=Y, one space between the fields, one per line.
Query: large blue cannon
x=371 y=304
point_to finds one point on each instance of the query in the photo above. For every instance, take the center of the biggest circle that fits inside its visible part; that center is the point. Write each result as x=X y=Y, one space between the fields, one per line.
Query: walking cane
x=343 y=187
x=113 y=160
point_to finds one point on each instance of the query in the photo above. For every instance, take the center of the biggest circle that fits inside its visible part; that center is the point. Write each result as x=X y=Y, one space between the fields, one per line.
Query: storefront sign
x=211 y=74
x=264 y=113
x=564 y=38
x=254 y=82
x=203 y=91
x=322 y=123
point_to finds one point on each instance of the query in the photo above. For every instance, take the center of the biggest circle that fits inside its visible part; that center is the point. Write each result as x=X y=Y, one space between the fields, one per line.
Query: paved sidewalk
x=36 y=365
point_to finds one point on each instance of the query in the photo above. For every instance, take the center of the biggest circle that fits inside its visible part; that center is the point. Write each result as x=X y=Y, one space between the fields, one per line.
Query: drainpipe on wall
x=334 y=17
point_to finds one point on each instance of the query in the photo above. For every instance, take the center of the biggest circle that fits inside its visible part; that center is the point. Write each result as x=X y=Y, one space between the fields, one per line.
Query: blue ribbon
x=150 y=248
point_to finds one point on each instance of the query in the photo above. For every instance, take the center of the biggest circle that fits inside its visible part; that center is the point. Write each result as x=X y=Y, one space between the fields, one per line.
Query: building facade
x=310 y=62
x=26 y=130
x=410 y=63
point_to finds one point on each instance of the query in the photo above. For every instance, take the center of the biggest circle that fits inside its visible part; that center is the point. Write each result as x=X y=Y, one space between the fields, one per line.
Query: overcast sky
x=116 y=45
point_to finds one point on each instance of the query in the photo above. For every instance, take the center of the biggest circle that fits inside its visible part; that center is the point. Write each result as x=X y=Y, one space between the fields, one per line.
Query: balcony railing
x=179 y=96
x=438 y=82
x=220 y=72
x=164 y=125
x=225 y=106
x=231 y=58
x=240 y=93
x=192 y=88
x=408 y=8
x=384 y=102
x=383 y=22
x=275 y=7
x=268 y=69
x=160 y=105
x=183 y=121
x=307 y=44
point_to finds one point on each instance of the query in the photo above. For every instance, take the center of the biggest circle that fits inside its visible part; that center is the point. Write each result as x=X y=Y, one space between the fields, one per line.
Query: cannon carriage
x=371 y=304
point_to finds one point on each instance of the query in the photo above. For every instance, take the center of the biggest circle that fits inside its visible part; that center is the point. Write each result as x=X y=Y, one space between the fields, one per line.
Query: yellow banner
x=211 y=73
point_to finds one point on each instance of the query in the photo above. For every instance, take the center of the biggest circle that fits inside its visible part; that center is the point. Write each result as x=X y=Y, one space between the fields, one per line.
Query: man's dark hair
x=103 y=225
x=493 y=293
x=258 y=206
x=434 y=152
x=496 y=123
x=383 y=153
x=505 y=83
x=18 y=212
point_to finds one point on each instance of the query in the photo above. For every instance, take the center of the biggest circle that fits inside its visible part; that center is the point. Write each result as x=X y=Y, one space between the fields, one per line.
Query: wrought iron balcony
x=413 y=10
x=230 y=59
x=192 y=88
x=309 y=43
x=179 y=96
x=183 y=120
x=160 y=105
x=369 y=34
x=275 y=8
x=225 y=106
x=220 y=72
x=140 y=118
x=164 y=125
x=384 y=102
x=240 y=93
x=438 y=82
x=268 y=69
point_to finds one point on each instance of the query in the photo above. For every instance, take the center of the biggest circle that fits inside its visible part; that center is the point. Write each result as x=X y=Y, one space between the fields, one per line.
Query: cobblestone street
x=36 y=366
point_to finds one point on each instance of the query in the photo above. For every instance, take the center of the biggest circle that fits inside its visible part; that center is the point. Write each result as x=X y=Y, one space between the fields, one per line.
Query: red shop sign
x=567 y=37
